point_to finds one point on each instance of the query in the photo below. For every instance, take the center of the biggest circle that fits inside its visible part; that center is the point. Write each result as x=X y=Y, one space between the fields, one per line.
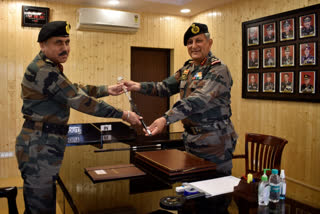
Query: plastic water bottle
x=283 y=185
x=274 y=182
x=264 y=190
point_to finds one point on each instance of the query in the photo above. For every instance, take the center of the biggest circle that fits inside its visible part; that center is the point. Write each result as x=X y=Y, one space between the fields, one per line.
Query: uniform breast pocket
x=194 y=85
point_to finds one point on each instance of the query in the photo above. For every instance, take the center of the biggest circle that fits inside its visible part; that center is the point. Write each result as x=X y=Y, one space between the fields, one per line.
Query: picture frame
x=269 y=82
x=287 y=30
x=269 y=33
x=307 y=54
x=34 y=16
x=287 y=56
x=286 y=69
x=253 y=82
x=307 y=25
x=286 y=82
x=269 y=57
x=307 y=82
x=253 y=36
x=253 y=59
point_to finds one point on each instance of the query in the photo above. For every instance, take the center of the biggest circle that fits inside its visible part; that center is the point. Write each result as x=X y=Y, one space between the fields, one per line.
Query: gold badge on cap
x=195 y=29
x=68 y=28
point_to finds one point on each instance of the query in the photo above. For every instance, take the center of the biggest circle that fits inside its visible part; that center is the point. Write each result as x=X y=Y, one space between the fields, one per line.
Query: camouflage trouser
x=39 y=157
x=216 y=146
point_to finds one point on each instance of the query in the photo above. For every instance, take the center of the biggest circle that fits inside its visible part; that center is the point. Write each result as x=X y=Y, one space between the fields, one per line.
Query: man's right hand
x=131 y=117
x=131 y=85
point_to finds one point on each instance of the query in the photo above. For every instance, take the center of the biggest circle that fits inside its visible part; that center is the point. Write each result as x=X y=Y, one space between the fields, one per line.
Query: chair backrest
x=263 y=152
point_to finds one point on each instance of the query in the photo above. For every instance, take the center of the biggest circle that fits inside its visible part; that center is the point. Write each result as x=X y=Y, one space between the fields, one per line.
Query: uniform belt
x=206 y=127
x=46 y=127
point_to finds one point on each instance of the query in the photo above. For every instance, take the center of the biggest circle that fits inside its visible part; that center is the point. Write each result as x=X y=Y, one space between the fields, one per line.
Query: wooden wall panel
x=100 y=57
x=298 y=122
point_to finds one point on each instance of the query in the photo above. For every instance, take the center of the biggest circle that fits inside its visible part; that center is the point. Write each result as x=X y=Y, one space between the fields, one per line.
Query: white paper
x=100 y=172
x=216 y=186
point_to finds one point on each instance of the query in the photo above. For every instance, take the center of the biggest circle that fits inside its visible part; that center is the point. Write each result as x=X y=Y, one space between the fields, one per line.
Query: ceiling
x=170 y=7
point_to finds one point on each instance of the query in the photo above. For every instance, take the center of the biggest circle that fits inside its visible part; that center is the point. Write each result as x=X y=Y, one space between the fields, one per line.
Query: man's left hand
x=115 y=90
x=157 y=126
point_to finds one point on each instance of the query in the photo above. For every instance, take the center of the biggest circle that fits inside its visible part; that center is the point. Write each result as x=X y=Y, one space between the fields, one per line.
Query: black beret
x=307 y=46
x=286 y=23
x=286 y=49
x=193 y=30
x=51 y=29
x=307 y=19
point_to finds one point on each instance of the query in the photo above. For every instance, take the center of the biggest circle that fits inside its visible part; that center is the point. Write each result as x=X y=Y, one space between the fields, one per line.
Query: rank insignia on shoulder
x=215 y=61
x=184 y=76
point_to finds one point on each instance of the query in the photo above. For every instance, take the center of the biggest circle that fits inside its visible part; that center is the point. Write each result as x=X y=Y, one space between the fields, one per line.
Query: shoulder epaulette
x=49 y=61
x=188 y=62
x=215 y=61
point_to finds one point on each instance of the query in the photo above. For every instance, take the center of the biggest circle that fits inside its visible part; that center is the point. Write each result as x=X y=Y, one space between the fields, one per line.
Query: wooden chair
x=262 y=152
x=10 y=193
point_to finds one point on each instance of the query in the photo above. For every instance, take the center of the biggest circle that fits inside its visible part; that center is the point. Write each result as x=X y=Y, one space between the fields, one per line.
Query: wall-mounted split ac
x=107 y=20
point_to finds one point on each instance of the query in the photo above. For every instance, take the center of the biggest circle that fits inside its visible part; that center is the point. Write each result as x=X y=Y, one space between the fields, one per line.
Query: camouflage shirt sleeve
x=56 y=86
x=94 y=91
x=214 y=89
x=167 y=87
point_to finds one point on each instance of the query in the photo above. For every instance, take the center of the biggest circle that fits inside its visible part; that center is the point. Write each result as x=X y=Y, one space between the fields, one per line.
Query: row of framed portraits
x=307 y=28
x=306 y=82
x=307 y=56
x=280 y=56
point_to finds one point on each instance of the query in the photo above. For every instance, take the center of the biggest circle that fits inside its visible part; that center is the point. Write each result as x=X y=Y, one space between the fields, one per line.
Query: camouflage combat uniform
x=47 y=97
x=204 y=109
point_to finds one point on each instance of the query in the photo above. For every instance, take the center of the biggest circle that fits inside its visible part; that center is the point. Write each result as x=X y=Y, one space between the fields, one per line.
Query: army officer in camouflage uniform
x=204 y=83
x=47 y=97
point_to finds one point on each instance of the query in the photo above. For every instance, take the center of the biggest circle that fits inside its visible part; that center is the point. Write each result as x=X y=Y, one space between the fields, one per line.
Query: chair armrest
x=238 y=156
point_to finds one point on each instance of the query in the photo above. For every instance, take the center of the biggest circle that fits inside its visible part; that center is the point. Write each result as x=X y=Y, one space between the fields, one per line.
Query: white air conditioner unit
x=107 y=20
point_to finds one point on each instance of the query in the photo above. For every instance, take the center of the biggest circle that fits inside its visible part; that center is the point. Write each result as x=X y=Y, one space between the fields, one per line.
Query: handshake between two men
x=133 y=117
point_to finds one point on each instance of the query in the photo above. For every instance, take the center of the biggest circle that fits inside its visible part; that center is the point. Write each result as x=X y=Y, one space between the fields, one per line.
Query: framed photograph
x=285 y=63
x=308 y=54
x=269 y=82
x=307 y=25
x=269 y=33
x=253 y=36
x=286 y=82
x=287 y=29
x=307 y=82
x=253 y=82
x=269 y=57
x=253 y=59
x=34 y=16
x=287 y=56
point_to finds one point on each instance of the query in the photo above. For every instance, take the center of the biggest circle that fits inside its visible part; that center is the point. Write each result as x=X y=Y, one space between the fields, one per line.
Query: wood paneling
x=298 y=122
x=100 y=57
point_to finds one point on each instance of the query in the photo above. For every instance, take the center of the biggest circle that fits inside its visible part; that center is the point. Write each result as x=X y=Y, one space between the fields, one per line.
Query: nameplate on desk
x=75 y=129
x=107 y=137
x=106 y=127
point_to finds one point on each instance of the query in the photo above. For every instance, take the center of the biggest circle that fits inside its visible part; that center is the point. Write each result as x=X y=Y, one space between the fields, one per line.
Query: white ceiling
x=170 y=7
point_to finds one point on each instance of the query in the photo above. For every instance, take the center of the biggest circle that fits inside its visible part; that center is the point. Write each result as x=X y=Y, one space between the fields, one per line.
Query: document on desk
x=217 y=186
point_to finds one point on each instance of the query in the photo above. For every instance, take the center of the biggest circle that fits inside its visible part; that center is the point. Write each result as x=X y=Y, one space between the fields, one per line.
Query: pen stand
x=249 y=192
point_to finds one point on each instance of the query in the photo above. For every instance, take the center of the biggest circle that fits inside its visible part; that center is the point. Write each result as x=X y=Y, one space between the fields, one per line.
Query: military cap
x=268 y=51
x=51 y=29
x=270 y=27
x=307 y=19
x=286 y=23
x=269 y=75
x=307 y=76
x=287 y=49
x=193 y=30
x=307 y=46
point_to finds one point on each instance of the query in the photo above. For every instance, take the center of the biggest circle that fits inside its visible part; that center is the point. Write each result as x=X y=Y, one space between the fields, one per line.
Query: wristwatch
x=167 y=121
